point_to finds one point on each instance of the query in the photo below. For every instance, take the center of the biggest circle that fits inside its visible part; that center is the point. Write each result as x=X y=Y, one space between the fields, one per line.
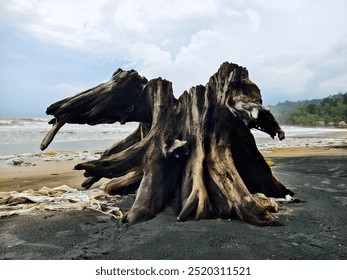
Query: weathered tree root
x=195 y=153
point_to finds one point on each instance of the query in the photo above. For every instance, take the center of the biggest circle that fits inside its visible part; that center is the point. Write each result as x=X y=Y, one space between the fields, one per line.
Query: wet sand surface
x=315 y=228
x=49 y=174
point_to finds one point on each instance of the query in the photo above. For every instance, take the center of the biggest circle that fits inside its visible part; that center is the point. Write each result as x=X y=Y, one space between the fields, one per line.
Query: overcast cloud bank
x=293 y=49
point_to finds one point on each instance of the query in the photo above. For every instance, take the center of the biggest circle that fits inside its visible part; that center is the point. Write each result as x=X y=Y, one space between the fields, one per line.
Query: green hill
x=329 y=111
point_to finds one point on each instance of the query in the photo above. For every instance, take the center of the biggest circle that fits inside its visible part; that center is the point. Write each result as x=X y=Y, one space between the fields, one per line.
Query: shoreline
x=335 y=150
x=52 y=169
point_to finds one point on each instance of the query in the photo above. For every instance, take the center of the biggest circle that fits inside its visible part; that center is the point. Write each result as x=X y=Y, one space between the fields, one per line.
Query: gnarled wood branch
x=195 y=153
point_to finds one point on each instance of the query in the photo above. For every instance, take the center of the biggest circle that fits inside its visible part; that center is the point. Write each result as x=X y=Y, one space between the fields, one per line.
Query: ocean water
x=20 y=135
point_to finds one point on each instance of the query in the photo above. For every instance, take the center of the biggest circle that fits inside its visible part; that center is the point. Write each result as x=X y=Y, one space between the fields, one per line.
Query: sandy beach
x=40 y=173
x=314 y=228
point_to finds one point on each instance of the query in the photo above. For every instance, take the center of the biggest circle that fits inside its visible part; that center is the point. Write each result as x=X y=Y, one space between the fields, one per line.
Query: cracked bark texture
x=195 y=153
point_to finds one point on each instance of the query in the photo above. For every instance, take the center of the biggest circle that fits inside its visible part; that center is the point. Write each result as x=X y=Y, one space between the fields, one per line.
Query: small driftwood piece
x=195 y=153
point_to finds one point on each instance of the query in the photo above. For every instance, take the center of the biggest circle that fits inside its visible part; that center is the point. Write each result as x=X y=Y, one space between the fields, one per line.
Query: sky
x=52 y=49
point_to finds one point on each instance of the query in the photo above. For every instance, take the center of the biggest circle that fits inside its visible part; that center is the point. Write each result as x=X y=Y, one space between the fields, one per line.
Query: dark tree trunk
x=195 y=153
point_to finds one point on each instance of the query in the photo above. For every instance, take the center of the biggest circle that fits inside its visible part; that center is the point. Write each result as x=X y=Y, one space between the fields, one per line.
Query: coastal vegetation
x=330 y=111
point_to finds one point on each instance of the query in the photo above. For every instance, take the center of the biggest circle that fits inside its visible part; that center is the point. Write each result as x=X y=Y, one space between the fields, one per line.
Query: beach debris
x=342 y=124
x=33 y=159
x=288 y=199
x=61 y=198
x=19 y=162
x=269 y=203
x=50 y=154
x=195 y=153
x=15 y=161
x=29 y=163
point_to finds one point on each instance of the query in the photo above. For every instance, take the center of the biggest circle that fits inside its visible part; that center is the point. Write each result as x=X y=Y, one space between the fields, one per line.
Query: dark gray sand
x=314 y=229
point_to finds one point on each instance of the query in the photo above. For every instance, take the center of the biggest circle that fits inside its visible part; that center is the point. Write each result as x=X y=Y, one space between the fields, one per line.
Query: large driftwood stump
x=195 y=153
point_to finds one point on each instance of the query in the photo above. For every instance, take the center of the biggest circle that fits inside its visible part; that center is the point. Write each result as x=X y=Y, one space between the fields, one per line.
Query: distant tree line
x=330 y=111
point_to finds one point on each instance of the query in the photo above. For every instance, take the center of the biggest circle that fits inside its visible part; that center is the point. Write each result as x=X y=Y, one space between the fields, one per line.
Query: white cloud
x=280 y=42
x=284 y=73
x=334 y=85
